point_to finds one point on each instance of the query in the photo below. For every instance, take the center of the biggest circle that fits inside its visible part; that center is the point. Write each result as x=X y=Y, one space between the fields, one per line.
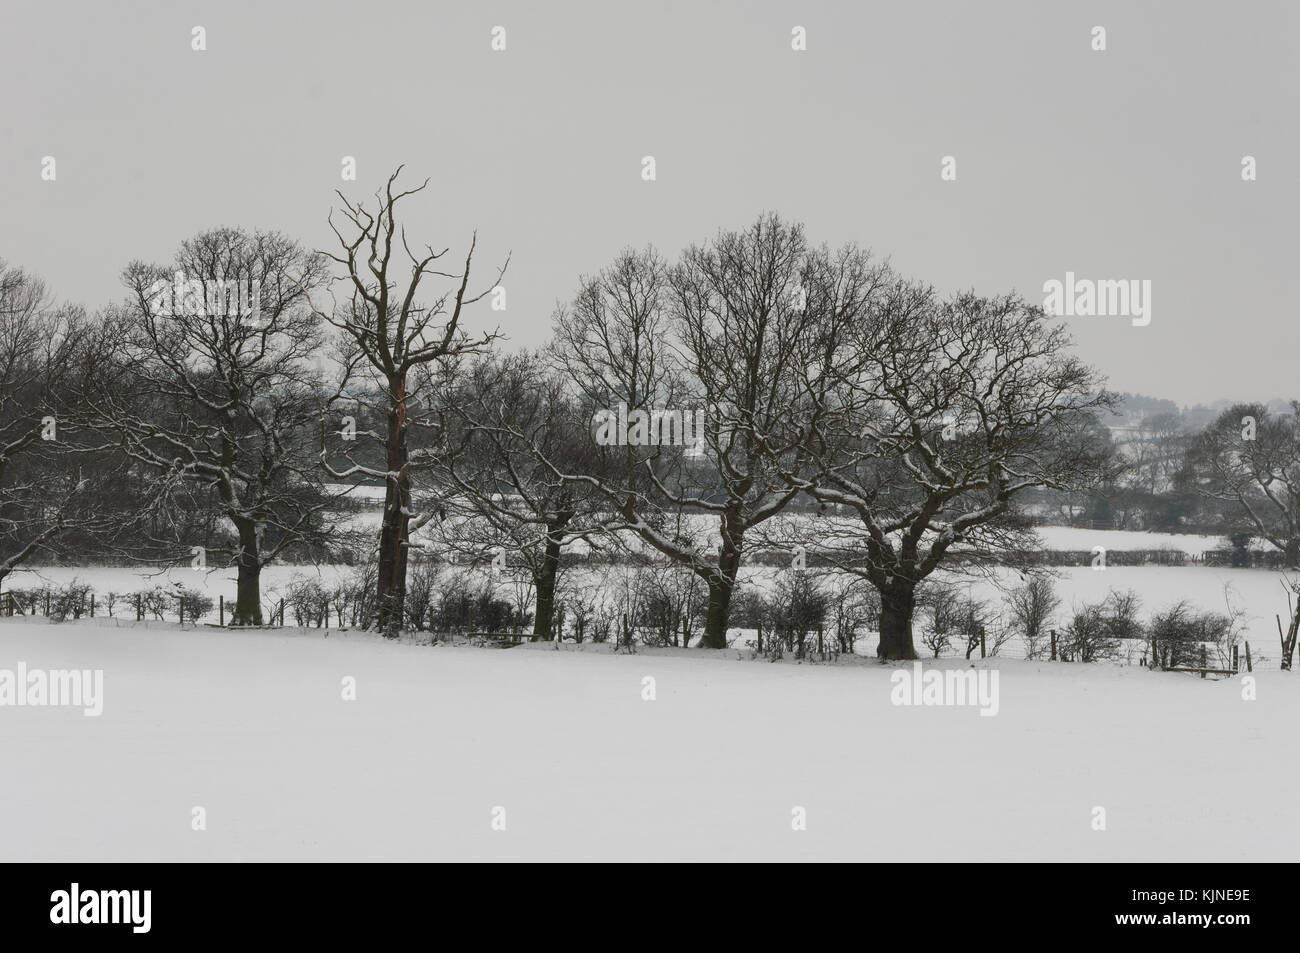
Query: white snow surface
x=252 y=727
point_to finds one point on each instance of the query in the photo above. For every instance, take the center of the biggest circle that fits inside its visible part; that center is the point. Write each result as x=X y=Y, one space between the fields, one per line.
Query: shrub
x=70 y=600
x=1032 y=607
x=954 y=617
x=1180 y=630
x=797 y=606
x=307 y=599
x=155 y=601
x=191 y=604
x=1097 y=631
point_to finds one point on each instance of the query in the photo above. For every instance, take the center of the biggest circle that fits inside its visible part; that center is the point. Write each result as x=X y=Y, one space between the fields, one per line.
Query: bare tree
x=1250 y=459
x=43 y=495
x=938 y=415
x=1032 y=607
x=390 y=329
x=854 y=606
x=725 y=332
x=210 y=388
x=497 y=495
x=746 y=308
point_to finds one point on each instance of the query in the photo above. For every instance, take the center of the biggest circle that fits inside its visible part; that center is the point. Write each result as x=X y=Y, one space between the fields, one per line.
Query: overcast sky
x=1117 y=164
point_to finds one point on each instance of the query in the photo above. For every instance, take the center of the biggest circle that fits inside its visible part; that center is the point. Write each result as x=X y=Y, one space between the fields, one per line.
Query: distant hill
x=1133 y=409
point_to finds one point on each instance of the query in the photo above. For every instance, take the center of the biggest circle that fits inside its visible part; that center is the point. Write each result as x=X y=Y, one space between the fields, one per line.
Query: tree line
x=757 y=389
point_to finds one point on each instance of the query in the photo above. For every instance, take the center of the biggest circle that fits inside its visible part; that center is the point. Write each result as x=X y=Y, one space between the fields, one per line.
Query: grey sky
x=1120 y=164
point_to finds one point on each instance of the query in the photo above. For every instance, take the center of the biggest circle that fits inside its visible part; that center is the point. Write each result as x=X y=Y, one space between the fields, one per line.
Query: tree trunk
x=544 y=580
x=896 y=606
x=390 y=597
x=248 y=588
x=722 y=584
x=715 y=623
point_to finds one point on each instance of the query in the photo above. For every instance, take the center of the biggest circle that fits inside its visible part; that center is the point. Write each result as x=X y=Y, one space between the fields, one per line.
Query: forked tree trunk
x=722 y=585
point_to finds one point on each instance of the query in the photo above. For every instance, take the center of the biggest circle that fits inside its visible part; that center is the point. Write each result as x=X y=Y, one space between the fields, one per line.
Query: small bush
x=307 y=599
x=72 y=600
x=191 y=604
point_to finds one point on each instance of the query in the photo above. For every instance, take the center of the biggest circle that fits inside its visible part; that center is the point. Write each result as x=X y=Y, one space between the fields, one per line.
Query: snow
x=1083 y=540
x=252 y=727
x=1259 y=592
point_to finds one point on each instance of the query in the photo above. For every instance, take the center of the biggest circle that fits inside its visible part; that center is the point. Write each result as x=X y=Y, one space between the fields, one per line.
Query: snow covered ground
x=705 y=530
x=1260 y=593
x=252 y=728
x=1083 y=540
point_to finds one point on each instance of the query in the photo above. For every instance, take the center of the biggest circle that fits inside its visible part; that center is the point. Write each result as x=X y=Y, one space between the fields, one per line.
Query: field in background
x=1259 y=592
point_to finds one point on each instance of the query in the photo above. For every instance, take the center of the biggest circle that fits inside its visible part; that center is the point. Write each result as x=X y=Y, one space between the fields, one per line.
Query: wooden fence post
x=760 y=634
x=92 y=605
x=982 y=655
x=221 y=610
x=139 y=607
x=1202 y=661
x=1249 y=667
x=1053 y=645
x=1236 y=662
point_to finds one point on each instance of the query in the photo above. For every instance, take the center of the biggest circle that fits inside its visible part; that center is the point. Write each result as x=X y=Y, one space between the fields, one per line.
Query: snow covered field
x=1259 y=592
x=252 y=727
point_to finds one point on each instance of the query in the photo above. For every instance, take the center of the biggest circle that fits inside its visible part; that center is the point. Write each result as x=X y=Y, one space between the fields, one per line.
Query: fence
x=52 y=604
x=812 y=645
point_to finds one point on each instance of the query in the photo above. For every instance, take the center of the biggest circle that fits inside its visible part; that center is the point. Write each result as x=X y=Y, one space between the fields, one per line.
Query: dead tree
x=389 y=330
